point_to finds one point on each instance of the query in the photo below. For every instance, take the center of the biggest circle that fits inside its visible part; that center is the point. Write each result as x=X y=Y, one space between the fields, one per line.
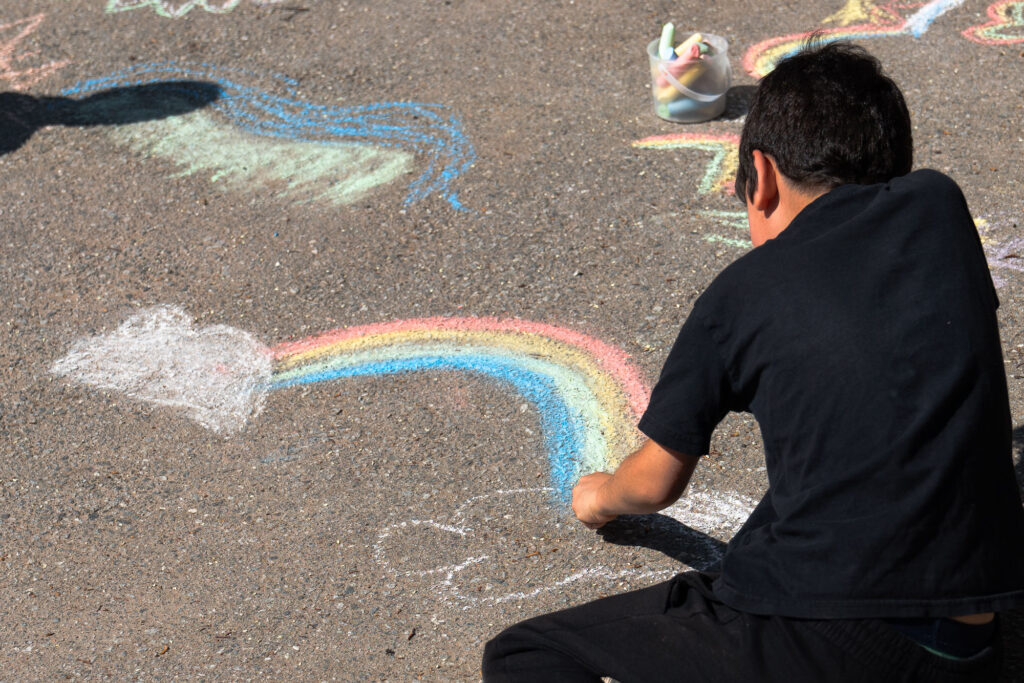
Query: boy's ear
x=767 y=193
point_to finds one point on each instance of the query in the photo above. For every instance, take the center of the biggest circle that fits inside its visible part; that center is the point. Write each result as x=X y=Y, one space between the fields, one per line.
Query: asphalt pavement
x=314 y=310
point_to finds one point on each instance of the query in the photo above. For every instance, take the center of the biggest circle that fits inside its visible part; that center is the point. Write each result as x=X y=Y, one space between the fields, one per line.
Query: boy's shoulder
x=849 y=227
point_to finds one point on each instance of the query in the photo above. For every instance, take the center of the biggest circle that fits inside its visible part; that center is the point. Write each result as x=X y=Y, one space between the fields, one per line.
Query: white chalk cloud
x=217 y=375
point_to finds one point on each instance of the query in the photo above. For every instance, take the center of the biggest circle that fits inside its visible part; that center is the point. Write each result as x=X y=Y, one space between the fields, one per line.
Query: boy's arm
x=649 y=480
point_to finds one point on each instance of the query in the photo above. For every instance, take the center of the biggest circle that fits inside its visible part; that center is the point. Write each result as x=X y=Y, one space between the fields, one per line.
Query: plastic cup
x=694 y=92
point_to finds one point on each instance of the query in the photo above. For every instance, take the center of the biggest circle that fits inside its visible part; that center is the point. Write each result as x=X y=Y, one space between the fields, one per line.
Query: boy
x=862 y=335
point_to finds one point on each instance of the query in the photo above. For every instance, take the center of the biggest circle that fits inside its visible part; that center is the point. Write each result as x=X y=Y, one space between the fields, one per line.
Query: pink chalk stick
x=677 y=66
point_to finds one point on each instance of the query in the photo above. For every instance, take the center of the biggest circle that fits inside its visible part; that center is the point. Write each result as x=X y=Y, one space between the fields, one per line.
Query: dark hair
x=828 y=116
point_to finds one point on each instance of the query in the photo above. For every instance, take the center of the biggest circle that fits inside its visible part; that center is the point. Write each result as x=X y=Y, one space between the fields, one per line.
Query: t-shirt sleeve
x=692 y=395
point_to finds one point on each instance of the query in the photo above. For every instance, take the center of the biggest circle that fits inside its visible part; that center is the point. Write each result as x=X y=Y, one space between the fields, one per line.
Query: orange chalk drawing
x=20 y=79
x=1005 y=26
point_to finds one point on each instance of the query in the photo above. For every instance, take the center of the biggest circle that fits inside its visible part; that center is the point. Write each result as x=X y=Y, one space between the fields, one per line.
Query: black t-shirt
x=864 y=340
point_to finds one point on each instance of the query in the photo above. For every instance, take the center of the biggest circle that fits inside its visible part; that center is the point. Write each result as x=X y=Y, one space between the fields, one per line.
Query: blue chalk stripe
x=423 y=128
x=562 y=428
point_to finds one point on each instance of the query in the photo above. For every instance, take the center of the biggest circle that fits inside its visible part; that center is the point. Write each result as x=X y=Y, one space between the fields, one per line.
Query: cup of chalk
x=689 y=81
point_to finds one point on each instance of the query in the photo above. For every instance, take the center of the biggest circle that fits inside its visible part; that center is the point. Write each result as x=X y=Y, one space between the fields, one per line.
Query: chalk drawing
x=483 y=554
x=720 y=171
x=719 y=176
x=19 y=79
x=857 y=20
x=1002 y=255
x=1005 y=25
x=737 y=220
x=215 y=374
x=252 y=140
x=587 y=393
x=175 y=10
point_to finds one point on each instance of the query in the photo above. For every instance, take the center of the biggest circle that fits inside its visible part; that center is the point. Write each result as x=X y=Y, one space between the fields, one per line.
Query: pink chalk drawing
x=1005 y=25
x=18 y=78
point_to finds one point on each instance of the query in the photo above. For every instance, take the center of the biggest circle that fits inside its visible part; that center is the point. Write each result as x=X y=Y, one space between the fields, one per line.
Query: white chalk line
x=715 y=514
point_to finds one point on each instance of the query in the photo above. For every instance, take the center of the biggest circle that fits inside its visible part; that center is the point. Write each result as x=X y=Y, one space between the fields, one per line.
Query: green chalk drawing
x=170 y=9
x=739 y=244
x=338 y=173
x=733 y=219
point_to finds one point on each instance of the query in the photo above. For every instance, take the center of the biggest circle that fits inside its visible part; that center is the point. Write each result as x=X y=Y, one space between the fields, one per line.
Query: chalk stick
x=686 y=73
x=667 y=93
x=668 y=32
x=680 y=107
x=689 y=43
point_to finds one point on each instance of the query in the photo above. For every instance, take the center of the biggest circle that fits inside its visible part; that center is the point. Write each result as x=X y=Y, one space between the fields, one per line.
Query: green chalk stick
x=668 y=36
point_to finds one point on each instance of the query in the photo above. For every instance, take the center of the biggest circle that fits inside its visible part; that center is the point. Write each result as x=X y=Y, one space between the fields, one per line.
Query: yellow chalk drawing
x=856 y=20
x=855 y=12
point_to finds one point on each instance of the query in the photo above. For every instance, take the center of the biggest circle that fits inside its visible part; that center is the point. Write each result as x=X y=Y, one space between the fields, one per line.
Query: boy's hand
x=585 y=500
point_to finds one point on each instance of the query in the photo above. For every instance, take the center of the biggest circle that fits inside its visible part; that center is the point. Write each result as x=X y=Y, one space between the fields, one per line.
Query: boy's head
x=827 y=116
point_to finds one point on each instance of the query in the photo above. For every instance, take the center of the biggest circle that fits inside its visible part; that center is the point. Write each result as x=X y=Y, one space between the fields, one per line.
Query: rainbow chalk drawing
x=251 y=140
x=720 y=172
x=22 y=78
x=857 y=20
x=174 y=10
x=1005 y=25
x=587 y=393
x=469 y=568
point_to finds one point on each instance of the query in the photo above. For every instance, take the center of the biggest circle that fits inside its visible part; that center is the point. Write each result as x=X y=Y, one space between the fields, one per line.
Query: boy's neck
x=769 y=222
x=775 y=201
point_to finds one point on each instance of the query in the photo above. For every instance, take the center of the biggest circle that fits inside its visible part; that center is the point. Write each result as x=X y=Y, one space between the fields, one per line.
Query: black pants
x=677 y=631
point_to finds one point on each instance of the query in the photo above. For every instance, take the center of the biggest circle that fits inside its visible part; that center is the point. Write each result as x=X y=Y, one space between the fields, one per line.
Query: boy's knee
x=495 y=651
x=521 y=653
x=503 y=644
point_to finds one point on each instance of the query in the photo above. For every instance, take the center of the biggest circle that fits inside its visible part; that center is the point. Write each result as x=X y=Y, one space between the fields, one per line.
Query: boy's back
x=864 y=340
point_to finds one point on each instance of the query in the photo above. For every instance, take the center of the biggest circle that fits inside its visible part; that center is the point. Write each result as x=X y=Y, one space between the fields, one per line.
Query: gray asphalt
x=379 y=527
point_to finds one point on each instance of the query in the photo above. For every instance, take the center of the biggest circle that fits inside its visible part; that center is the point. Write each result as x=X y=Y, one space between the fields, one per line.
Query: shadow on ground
x=668 y=536
x=737 y=101
x=22 y=115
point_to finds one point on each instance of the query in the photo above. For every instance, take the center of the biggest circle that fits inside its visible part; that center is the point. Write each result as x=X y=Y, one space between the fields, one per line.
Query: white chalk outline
x=729 y=511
